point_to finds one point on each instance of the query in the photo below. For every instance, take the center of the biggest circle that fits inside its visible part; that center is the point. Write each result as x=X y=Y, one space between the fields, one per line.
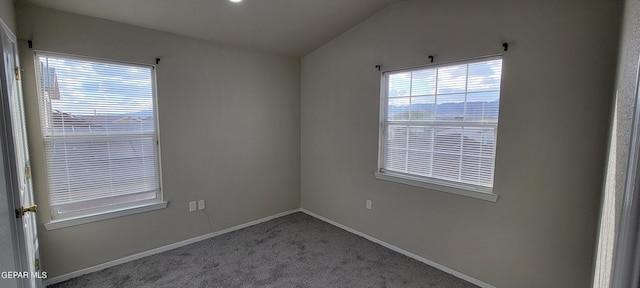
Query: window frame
x=432 y=183
x=82 y=216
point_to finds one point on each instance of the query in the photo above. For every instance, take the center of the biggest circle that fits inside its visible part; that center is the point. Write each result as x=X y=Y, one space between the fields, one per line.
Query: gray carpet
x=296 y=250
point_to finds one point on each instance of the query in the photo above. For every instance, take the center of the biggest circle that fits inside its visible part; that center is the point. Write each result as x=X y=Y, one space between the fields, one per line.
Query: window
x=100 y=138
x=438 y=126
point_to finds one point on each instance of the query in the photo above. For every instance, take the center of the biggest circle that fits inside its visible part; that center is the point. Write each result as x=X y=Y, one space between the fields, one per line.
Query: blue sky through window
x=100 y=88
x=464 y=92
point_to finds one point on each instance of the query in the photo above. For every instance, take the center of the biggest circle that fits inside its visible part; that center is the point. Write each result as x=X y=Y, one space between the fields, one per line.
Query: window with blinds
x=98 y=123
x=439 y=124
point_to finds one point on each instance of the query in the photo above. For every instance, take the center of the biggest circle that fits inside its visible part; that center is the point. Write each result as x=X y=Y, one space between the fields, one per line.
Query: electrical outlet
x=368 y=204
x=192 y=206
x=201 y=205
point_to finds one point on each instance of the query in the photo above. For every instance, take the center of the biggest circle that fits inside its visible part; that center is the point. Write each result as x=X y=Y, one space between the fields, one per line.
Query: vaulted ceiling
x=288 y=27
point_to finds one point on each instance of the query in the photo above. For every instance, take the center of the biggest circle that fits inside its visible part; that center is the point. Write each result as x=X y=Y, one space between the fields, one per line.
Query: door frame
x=626 y=258
x=11 y=172
x=6 y=146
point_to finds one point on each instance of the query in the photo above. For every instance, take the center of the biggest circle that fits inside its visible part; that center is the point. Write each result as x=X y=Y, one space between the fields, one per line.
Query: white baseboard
x=402 y=251
x=99 y=267
x=102 y=266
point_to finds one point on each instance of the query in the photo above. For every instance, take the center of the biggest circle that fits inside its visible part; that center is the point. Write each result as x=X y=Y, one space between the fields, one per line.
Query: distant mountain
x=447 y=110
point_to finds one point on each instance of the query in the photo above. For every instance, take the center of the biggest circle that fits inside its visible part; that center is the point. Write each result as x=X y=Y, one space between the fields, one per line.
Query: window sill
x=453 y=190
x=68 y=222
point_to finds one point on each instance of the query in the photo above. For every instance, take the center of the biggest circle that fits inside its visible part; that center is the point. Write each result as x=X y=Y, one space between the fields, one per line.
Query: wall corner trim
x=402 y=251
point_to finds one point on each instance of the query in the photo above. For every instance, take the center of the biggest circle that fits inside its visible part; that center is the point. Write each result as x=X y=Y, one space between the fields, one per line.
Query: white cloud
x=88 y=88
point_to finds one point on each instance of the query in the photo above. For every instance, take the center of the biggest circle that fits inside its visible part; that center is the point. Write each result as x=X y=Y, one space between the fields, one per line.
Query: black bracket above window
x=431 y=58
x=30 y=44
x=378 y=67
x=157 y=60
x=506 y=46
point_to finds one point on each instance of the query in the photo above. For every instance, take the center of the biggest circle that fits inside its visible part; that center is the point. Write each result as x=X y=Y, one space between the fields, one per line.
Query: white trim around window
x=107 y=214
x=99 y=126
x=439 y=126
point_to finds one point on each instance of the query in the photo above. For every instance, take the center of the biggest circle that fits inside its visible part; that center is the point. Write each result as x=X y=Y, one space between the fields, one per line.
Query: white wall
x=554 y=117
x=7 y=14
x=229 y=129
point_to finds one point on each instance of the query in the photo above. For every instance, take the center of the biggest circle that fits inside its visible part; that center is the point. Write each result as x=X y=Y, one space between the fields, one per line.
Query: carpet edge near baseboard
x=65 y=277
x=401 y=251
x=77 y=273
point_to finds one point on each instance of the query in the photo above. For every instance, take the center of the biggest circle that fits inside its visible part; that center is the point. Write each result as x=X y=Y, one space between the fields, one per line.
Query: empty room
x=319 y=143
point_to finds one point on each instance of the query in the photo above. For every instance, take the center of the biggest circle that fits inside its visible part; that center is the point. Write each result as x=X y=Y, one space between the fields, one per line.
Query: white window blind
x=99 y=129
x=439 y=124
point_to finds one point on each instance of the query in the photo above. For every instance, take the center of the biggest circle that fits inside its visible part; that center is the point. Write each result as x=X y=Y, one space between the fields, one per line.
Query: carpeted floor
x=296 y=250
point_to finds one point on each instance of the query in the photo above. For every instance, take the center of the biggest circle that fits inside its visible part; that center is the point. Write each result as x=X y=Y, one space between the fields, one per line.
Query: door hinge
x=37 y=264
x=27 y=172
x=17 y=71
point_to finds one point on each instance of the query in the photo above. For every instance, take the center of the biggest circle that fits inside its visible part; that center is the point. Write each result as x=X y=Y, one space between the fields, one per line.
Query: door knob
x=20 y=211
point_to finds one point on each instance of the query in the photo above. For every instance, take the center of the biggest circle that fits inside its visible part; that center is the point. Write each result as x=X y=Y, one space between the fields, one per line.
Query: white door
x=17 y=157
